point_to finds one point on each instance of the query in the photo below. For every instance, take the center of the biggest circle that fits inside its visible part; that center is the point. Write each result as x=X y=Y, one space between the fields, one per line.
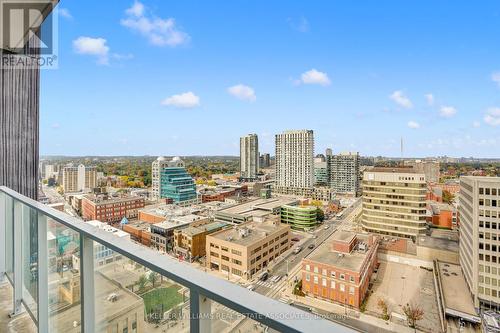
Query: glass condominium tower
x=176 y=183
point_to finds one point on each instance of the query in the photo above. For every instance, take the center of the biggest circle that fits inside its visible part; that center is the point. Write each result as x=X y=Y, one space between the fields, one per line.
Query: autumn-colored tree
x=448 y=197
x=382 y=305
x=413 y=313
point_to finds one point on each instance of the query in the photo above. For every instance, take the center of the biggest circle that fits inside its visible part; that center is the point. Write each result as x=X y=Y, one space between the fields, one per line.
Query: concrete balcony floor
x=21 y=323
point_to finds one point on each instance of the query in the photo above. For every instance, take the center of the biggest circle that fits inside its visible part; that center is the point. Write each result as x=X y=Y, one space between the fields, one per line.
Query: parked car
x=297 y=249
x=311 y=246
x=326 y=227
x=295 y=239
x=264 y=276
x=251 y=287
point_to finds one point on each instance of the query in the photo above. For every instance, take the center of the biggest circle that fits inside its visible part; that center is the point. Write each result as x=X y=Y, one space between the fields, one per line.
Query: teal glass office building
x=177 y=184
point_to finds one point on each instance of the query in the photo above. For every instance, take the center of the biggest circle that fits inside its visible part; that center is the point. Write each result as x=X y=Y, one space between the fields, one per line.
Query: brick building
x=340 y=271
x=112 y=210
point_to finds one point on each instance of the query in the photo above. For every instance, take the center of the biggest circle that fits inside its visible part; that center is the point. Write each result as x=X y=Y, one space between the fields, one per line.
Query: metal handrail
x=262 y=309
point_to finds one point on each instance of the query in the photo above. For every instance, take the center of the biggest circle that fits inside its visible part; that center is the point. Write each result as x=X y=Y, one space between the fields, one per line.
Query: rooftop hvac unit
x=243 y=232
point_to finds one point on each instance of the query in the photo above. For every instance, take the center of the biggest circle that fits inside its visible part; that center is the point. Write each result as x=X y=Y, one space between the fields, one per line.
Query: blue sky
x=190 y=77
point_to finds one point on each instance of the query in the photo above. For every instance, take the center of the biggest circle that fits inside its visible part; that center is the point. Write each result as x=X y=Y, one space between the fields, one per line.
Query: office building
x=341 y=272
x=429 y=168
x=394 y=202
x=479 y=211
x=79 y=178
x=321 y=177
x=294 y=159
x=265 y=160
x=246 y=250
x=343 y=172
x=300 y=217
x=156 y=167
x=162 y=233
x=249 y=157
x=110 y=210
x=175 y=183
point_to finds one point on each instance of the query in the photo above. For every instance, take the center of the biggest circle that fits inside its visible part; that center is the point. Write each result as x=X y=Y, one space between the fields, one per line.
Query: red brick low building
x=341 y=271
x=111 y=210
x=222 y=192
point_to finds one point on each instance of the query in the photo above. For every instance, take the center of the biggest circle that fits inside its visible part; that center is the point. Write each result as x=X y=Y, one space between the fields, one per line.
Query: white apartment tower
x=343 y=172
x=480 y=238
x=295 y=159
x=79 y=178
x=249 y=156
x=156 y=167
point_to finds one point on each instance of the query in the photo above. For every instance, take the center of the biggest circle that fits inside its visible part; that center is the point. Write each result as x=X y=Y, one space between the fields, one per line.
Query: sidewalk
x=340 y=310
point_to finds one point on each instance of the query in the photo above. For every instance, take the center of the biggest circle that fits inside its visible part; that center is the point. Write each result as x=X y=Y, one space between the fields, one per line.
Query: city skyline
x=299 y=68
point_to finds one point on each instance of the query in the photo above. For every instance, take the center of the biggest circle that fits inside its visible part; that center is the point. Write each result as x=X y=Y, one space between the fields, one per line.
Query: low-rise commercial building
x=162 y=234
x=139 y=232
x=190 y=242
x=220 y=193
x=299 y=217
x=253 y=210
x=341 y=271
x=246 y=250
x=105 y=209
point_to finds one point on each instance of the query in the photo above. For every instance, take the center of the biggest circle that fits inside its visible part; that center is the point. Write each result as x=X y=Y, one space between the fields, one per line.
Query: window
x=134 y=324
x=351 y=279
x=332 y=274
x=316 y=269
x=342 y=276
x=315 y=279
x=324 y=272
x=308 y=267
x=323 y=282
x=342 y=287
x=308 y=277
x=238 y=253
x=125 y=325
x=351 y=290
x=332 y=285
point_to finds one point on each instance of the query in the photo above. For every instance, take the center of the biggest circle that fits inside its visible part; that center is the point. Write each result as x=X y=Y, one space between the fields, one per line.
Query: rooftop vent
x=113 y=297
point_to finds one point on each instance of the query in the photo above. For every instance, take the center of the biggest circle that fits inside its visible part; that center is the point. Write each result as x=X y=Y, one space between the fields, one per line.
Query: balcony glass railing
x=73 y=277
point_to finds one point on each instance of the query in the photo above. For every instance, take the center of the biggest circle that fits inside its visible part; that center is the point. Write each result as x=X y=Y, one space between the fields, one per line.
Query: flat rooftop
x=343 y=236
x=191 y=231
x=249 y=207
x=326 y=255
x=438 y=243
x=105 y=310
x=457 y=300
x=179 y=221
x=248 y=233
x=393 y=170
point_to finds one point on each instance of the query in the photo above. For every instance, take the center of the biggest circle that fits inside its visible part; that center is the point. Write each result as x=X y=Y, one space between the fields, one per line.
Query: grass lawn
x=169 y=297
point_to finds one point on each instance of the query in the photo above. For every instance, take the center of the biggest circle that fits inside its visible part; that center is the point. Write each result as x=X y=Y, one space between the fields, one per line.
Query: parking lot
x=399 y=284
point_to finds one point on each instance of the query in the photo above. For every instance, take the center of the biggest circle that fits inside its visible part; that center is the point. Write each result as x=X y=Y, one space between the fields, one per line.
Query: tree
x=382 y=305
x=320 y=215
x=153 y=277
x=413 y=314
x=142 y=282
x=448 y=197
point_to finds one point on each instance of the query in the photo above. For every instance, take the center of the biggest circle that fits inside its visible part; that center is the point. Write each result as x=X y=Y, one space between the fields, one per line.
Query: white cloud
x=136 y=10
x=92 y=46
x=413 y=124
x=242 y=92
x=495 y=77
x=476 y=124
x=315 y=77
x=158 y=31
x=447 y=111
x=64 y=12
x=185 y=101
x=430 y=99
x=492 y=116
x=399 y=98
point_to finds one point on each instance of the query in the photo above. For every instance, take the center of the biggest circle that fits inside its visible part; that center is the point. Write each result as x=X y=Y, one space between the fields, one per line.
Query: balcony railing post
x=3 y=237
x=87 y=283
x=18 y=258
x=43 y=275
x=199 y=312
